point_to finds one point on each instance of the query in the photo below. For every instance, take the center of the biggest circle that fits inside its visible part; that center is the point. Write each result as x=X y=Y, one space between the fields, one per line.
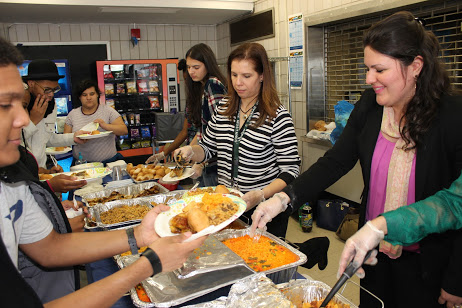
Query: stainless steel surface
x=168 y=289
x=315 y=109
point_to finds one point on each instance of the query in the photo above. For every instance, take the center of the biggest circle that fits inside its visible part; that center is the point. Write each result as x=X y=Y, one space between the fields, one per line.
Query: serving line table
x=101 y=269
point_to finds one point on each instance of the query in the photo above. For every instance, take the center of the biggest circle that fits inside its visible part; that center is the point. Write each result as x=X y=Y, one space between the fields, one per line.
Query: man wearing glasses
x=42 y=79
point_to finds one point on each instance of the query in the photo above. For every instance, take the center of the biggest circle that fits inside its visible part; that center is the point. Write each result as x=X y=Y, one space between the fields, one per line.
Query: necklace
x=245 y=115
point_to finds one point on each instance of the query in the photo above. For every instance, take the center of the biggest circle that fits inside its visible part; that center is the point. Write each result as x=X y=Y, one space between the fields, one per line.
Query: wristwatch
x=153 y=258
x=132 y=241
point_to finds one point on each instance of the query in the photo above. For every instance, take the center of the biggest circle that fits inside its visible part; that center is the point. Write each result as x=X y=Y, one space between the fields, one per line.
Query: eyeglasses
x=48 y=90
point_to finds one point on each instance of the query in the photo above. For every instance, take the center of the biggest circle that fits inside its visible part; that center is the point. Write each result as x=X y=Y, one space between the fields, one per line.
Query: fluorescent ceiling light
x=138 y=10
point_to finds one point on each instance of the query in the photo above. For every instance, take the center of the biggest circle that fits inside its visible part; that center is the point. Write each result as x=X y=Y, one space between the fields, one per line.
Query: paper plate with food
x=87 y=174
x=178 y=174
x=95 y=134
x=200 y=214
x=57 y=150
x=219 y=189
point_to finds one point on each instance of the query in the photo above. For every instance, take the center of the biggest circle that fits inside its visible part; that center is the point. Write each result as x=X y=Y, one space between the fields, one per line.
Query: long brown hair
x=403 y=37
x=268 y=100
x=194 y=89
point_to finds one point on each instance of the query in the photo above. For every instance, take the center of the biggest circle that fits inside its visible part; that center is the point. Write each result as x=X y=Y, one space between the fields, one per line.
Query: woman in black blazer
x=411 y=90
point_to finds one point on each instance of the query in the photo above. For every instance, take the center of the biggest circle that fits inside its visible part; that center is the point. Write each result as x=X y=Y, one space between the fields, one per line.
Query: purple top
x=378 y=184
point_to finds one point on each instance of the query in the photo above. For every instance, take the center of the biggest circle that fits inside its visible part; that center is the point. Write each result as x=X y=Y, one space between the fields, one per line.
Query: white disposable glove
x=186 y=152
x=357 y=246
x=156 y=158
x=253 y=198
x=267 y=210
x=197 y=168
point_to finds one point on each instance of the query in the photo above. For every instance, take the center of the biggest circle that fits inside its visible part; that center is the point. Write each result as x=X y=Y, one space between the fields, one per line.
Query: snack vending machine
x=138 y=89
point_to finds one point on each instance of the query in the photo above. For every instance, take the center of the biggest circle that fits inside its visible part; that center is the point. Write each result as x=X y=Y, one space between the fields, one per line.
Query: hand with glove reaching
x=253 y=198
x=316 y=251
x=186 y=153
x=156 y=158
x=197 y=168
x=267 y=210
x=357 y=246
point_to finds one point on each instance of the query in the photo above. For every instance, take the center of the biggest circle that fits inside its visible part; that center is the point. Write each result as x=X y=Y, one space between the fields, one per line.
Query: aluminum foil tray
x=217 y=269
x=96 y=210
x=277 y=275
x=302 y=291
x=166 y=198
x=125 y=190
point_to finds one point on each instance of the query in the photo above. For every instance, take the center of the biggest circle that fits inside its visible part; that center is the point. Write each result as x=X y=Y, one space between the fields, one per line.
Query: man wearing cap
x=42 y=79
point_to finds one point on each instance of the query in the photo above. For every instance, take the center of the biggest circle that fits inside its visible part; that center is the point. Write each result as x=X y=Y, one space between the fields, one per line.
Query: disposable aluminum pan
x=133 y=189
x=166 y=198
x=305 y=291
x=168 y=289
x=100 y=208
x=277 y=275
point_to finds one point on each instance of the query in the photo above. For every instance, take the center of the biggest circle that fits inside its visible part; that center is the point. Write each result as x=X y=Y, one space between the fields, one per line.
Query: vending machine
x=138 y=89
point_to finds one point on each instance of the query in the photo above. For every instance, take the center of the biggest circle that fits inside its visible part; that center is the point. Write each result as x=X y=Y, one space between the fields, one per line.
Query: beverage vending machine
x=138 y=89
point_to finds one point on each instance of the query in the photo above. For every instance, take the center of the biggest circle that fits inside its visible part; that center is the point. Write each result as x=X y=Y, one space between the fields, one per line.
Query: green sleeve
x=436 y=214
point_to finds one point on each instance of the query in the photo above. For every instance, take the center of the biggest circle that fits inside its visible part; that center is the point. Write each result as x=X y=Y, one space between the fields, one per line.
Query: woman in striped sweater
x=252 y=134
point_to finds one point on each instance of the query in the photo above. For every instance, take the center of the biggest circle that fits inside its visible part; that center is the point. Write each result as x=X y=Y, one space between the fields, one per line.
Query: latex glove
x=197 y=168
x=186 y=152
x=449 y=299
x=357 y=246
x=267 y=210
x=253 y=198
x=156 y=158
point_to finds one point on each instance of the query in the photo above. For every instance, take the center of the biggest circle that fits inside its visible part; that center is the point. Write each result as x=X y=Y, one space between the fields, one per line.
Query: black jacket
x=438 y=164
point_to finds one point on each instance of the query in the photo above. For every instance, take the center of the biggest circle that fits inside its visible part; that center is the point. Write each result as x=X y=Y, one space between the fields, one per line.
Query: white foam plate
x=162 y=224
x=186 y=174
x=52 y=150
x=93 y=174
x=100 y=135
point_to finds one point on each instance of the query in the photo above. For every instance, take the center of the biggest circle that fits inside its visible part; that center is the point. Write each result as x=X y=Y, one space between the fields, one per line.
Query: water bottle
x=306 y=217
x=80 y=161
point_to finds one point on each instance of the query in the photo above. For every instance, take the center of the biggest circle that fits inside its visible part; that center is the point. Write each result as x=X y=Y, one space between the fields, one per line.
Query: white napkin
x=89 y=188
x=90 y=127
x=71 y=213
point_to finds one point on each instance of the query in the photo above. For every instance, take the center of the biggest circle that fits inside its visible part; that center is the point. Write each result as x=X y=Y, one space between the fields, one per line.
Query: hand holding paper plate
x=221 y=210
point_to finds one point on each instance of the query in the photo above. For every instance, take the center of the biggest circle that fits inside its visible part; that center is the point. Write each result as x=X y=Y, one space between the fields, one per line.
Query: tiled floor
x=329 y=274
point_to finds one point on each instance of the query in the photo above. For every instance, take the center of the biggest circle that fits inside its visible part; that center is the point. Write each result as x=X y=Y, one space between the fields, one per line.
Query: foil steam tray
x=125 y=190
x=219 y=267
x=277 y=275
x=303 y=291
x=167 y=198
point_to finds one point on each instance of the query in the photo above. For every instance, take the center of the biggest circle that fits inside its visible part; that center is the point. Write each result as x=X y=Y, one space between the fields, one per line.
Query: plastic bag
x=342 y=113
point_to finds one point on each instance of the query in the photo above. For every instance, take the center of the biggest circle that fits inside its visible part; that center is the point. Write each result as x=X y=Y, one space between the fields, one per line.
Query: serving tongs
x=347 y=274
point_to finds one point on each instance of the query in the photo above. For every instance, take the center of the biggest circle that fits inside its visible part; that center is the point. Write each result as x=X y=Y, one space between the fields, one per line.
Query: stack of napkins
x=120 y=163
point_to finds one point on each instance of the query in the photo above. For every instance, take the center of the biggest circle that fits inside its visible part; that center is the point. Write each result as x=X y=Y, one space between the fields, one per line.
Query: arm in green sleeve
x=436 y=214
